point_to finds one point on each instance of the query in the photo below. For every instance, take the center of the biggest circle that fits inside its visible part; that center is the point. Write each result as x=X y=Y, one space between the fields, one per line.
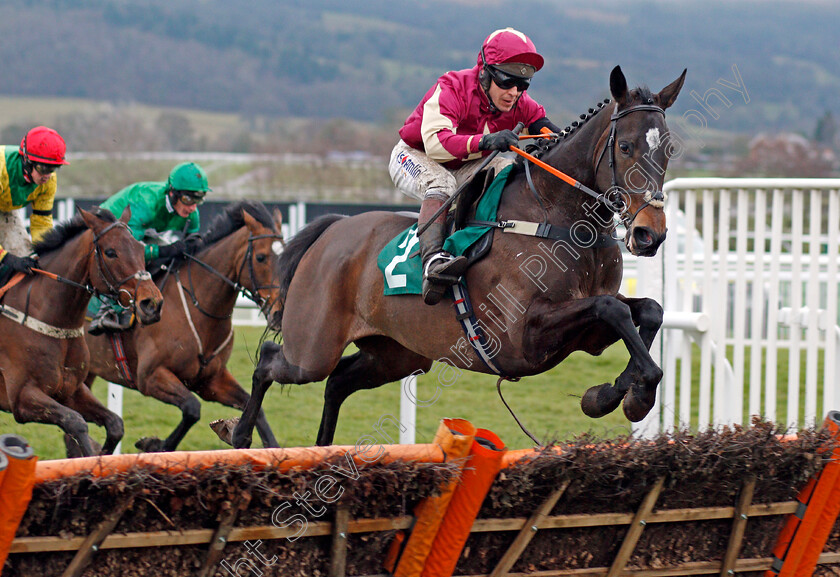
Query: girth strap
x=472 y=330
x=118 y=346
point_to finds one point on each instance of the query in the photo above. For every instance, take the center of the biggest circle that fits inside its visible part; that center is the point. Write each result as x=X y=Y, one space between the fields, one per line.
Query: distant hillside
x=371 y=60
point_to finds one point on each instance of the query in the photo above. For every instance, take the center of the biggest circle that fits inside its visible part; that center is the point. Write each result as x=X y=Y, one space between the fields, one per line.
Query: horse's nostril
x=643 y=237
x=150 y=306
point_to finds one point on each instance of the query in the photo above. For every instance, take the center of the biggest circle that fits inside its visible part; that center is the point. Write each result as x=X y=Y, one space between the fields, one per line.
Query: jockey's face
x=504 y=99
x=40 y=178
x=184 y=210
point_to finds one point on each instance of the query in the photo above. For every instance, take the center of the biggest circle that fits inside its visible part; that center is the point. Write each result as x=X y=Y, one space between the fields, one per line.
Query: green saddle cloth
x=403 y=273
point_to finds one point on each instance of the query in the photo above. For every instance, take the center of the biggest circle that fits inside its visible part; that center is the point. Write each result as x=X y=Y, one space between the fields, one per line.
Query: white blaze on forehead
x=653 y=139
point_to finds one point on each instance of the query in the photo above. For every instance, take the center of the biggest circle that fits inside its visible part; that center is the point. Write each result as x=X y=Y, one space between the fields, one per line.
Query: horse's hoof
x=241 y=442
x=600 y=400
x=636 y=407
x=240 y=439
x=224 y=429
x=150 y=445
x=74 y=450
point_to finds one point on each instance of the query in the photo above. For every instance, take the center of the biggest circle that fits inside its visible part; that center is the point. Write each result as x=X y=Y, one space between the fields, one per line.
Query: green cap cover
x=189 y=176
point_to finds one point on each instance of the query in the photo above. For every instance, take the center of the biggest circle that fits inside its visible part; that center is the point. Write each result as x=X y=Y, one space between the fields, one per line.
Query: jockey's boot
x=440 y=269
x=107 y=319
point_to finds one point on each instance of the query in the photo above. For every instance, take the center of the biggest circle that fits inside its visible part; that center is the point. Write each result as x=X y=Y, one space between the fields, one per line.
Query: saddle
x=465 y=208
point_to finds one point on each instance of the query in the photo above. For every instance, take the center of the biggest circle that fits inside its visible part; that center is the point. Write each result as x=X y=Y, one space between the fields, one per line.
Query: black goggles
x=187 y=197
x=507 y=81
x=45 y=169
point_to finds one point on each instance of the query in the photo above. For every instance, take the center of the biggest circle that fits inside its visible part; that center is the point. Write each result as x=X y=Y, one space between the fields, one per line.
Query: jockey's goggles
x=187 y=197
x=45 y=169
x=507 y=81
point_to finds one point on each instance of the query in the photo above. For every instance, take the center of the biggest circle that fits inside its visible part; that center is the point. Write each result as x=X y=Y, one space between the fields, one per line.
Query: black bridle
x=114 y=285
x=617 y=204
x=252 y=294
x=105 y=273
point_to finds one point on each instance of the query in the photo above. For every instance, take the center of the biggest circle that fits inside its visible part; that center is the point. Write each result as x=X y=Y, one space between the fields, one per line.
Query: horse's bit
x=114 y=286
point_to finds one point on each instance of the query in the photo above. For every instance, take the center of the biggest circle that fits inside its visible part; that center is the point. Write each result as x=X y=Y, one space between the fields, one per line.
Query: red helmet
x=509 y=45
x=42 y=144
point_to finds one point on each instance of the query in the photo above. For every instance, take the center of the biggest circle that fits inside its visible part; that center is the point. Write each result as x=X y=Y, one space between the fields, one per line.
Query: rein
x=617 y=206
x=251 y=294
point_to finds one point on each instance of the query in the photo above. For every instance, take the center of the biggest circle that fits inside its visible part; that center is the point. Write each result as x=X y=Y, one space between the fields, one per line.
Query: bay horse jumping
x=43 y=355
x=542 y=293
x=188 y=350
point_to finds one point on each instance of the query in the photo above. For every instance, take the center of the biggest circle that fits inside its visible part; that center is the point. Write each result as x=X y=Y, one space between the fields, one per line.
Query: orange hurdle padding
x=805 y=532
x=455 y=436
x=282 y=460
x=479 y=473
x=16 y=489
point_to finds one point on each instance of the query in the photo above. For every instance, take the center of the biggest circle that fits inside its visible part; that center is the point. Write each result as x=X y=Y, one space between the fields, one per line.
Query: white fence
x=758 y=258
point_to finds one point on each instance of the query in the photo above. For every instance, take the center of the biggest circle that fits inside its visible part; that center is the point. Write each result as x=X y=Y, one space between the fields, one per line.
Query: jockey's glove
x=194 y=243
x=501 y=140
x=174 y=250
x=20 y=263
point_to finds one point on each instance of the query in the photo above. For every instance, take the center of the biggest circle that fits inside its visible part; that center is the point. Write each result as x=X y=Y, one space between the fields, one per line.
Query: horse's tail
x=293 y=252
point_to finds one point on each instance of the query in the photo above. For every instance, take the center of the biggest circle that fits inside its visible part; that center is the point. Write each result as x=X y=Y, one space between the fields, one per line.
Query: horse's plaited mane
x=541 y=145
x=58 y=236
x=231 y=219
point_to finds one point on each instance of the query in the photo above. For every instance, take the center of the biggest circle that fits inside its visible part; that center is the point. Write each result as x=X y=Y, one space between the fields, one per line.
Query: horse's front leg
x=641 y=395
x=271 y=367
x=223 y=388
x=33 y=405
x=591 y=325
x=87 y=405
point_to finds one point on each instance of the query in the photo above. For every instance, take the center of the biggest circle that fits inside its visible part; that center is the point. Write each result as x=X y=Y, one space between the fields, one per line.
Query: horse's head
x=118 y=267
x=264 y=247
x=637 y=150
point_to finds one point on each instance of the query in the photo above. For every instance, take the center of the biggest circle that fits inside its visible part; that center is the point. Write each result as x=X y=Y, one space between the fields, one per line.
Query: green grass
x=548 y=404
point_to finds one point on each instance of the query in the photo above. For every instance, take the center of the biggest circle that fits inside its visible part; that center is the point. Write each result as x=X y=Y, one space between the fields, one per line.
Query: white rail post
x=115 y=405
x=408 y=410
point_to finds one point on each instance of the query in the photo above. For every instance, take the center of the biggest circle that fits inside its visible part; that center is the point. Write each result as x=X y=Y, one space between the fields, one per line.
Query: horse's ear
x=90 y=219
x=668 y=95
x=126 y=215
x=252 y=223
x=278 y=219
x=618 y=85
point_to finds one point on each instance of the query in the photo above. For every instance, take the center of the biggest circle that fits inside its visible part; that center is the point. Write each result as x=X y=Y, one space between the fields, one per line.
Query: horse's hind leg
x=271 y=367
x=95 y=412
x=163 y=385
x=380 y=360
x=223 y=388
x=35 y=406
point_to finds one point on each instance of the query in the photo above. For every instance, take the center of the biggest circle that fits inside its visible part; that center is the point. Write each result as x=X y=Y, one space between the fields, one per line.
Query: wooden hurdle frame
x=799 y=549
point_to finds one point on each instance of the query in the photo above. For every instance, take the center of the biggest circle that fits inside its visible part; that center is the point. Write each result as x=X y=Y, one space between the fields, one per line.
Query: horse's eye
x=261 y=258
x=110 y=253
x=624 y=147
